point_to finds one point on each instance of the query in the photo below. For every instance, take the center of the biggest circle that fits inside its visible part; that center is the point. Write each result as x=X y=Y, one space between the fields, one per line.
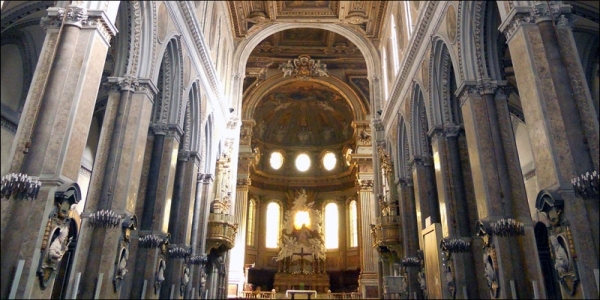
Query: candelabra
x=20 y=185
x=507 y=227
x=105 y=219
x=179 y=252
x=152 y=241
x=455 y=245
x=411 y=262
x=199 y=260
x=587 y=185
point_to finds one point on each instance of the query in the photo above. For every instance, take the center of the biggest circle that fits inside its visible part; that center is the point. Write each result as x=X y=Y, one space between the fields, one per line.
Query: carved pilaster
x=364 y=185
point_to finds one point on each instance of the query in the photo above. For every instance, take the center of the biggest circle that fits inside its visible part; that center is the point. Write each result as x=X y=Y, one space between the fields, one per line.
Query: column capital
x=124 y=83
x=435 y=132
x=453 y=131
x=206 y=178
x=364 y=185
x=159 y=128
x=466 y=89
x=243 y=183
x=405 y=182
x=183 y=155
x=543 y=11
x=418 y=160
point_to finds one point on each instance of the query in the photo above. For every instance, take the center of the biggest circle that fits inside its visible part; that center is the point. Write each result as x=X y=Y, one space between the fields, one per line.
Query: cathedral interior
x=290 y=149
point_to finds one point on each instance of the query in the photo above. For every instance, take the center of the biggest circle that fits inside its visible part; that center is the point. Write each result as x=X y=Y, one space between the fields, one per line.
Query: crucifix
x=302 y=254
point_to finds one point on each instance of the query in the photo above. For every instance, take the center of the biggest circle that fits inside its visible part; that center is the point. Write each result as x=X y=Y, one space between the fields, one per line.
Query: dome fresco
x=303 y=113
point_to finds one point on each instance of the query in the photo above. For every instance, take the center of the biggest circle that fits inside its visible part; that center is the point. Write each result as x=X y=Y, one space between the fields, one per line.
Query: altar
x=301 y=259
x=308 y=293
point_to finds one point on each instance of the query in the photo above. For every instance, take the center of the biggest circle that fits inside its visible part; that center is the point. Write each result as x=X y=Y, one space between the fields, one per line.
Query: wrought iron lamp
x=19 y=185
x=587 y=185
x=104 y=218
x=455 y=245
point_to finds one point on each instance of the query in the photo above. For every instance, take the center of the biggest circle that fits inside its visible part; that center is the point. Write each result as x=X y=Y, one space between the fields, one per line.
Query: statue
x=561 y=258
x=58 y=246
x=185 y=279
x=160 y=276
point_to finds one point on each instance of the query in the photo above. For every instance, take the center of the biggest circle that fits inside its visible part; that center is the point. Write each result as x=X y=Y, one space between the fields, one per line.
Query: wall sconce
x=179 y=252
x=151 y=241
x=21 y=186
x=586 y=185
x=455 y=245
x=104 y=218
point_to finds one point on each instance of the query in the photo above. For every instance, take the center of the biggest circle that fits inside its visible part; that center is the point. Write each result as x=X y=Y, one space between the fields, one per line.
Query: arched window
x=385 y=74
x=409 y=25
x=250 y=227
x=353 y=217
x=331 y=226
x=395 y=46
x=273 y=224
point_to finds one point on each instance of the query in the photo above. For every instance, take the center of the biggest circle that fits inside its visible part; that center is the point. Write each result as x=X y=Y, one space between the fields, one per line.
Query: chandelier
x=303 y=67
x=21 y=186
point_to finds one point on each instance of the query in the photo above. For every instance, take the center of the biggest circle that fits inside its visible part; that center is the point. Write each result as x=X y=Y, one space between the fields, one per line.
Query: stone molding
x=453 y=131
x=415 y=45
x=364 y=185
x=420 y=161
x=81 y=17
x=243 y=183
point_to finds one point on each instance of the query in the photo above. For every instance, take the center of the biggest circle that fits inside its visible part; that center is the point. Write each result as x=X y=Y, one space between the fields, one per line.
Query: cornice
x=415 y=45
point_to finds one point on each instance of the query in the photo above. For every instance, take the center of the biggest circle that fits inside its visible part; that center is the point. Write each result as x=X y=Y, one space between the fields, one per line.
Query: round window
x=276 y=160
x=302 y=162
x=329 y=161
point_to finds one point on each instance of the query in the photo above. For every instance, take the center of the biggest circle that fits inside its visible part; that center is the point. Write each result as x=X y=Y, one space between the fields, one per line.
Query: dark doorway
x=550 y=281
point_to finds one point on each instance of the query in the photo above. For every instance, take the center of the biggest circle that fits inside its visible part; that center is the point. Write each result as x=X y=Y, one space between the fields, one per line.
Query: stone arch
x=470 y=37
x=193 y=114
x=368 y=50
x=403 y=150
x=360 y=109
x=443 y=108
x=208 y=147
x=167 y=104
x=143 y=39
x=418 y=123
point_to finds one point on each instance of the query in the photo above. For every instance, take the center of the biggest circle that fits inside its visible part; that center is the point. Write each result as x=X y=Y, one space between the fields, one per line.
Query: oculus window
x=329 y=161
x=276 y=160
x=302 y=162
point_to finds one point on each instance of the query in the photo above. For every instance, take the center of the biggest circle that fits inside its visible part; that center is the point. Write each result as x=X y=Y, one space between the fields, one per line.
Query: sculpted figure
x=561 y=258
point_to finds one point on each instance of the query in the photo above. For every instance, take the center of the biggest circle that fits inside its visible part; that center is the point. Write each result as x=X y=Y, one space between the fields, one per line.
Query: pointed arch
x=167 y=106
x=403 y=150
x=418 y=123
x=443 y=107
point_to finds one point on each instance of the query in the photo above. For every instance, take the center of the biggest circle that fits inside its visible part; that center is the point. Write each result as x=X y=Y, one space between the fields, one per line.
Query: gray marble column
x=559 y=115
x=51 y=138
x=410 y=233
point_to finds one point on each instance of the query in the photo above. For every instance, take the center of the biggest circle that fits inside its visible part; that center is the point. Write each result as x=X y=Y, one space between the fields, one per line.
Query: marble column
x=238 y=252
x=156 y=206
x=180 y=221
x=453 y=207
x=51 y=136
x=498 y=182
x=425 y=193
x=116 y=178
x=198 y=242
x=369 y=256
x=559 y=114
x=410 y=233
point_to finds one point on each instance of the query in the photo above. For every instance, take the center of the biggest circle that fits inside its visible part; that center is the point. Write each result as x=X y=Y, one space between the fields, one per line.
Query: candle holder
x=199 y=260
x=151 y=241
x=105 y=219
x=507 y=227
x=179 y=252
x=19 y=185
x=587 y=185
x=455 y=245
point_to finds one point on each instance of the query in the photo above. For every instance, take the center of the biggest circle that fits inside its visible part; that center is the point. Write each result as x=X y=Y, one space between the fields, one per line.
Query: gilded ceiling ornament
x=304 y=67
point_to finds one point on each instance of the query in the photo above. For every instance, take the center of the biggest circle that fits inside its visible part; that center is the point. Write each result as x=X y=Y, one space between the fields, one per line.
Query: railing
x=258 y=295
x=352 y=295
x=221 y=231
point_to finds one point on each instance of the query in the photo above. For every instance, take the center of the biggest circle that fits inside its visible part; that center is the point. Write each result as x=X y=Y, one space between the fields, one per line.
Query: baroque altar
x=301 y=259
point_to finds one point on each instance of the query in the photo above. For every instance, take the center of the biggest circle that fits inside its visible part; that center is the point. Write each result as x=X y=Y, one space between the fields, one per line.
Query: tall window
x=395 y=46
x=353 y=217
x=409 y=27
x=331 y=226
x=273 y=225
x=385 y=74
x=250 y=227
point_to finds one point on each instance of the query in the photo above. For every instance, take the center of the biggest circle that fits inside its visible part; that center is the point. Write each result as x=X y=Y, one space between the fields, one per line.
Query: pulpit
x=301 y=259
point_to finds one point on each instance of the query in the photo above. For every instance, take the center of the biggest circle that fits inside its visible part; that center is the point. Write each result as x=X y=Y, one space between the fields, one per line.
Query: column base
x=368 y=285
